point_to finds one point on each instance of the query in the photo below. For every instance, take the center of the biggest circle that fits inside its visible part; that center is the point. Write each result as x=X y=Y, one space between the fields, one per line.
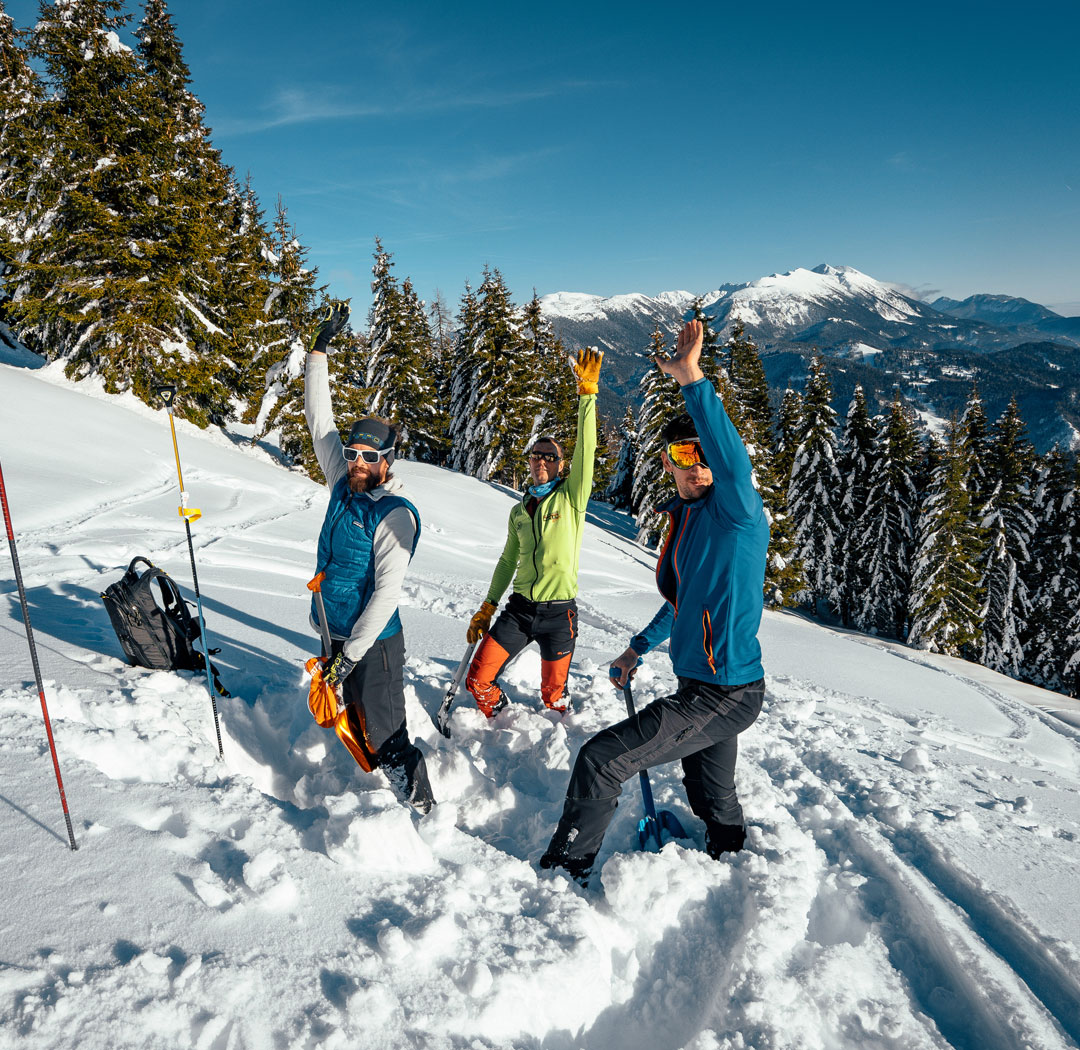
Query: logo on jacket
x=553 y=516
x=359 y=524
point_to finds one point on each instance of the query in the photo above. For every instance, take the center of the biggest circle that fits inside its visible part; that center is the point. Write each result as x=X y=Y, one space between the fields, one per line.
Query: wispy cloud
x=921 y=293
x=310 y=105
x=405 y=185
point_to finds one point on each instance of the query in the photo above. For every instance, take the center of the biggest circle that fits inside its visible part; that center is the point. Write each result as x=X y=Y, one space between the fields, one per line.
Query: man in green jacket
x=543 y=544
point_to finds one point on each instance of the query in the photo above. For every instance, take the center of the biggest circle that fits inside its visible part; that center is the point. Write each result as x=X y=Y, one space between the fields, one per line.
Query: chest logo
x=553 y=516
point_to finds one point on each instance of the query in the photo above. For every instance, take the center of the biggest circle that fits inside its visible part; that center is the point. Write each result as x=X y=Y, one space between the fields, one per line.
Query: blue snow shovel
x=653 y=823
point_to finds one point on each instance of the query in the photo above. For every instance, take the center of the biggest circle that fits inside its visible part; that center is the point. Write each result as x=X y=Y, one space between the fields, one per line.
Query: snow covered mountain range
x=874 y=333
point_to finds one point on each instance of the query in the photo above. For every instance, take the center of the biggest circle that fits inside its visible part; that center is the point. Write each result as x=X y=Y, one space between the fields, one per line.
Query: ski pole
x=315 y=586
x=33 y=657
x=190 y=514
x=442 y=718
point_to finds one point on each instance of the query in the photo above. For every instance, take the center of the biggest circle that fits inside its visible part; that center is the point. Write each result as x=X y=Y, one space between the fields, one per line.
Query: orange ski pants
x=553 y=625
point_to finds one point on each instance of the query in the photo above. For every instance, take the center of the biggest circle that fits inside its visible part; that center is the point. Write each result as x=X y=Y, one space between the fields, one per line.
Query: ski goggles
x=686 y=454
x=547 y=457
x=368 y=455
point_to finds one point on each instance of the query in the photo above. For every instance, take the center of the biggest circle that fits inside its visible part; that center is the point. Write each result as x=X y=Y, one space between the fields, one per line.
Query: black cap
x=373 y=432
x=679 y=429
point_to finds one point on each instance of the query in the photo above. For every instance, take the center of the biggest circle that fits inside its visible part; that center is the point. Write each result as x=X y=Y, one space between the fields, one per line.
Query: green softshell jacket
x=545 y=547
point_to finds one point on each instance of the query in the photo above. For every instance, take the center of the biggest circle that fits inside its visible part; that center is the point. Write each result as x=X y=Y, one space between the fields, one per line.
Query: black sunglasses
x=547 y=457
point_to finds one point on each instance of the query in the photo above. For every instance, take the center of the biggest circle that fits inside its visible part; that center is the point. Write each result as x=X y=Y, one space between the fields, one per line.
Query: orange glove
x=322 y=700
x=587 y=370
x=479 y=624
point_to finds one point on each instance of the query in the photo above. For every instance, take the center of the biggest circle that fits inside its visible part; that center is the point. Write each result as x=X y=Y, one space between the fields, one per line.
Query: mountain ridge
x=889 y=338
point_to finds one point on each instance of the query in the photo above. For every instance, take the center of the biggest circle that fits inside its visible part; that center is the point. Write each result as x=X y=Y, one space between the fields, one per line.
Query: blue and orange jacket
x=712 y=567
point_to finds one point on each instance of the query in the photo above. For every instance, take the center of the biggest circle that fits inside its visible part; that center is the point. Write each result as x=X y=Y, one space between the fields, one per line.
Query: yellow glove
x=479 y=624
x=587 y=370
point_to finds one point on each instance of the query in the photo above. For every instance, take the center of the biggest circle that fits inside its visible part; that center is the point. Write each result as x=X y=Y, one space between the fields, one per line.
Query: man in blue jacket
x=711 y=573
x=367 y=539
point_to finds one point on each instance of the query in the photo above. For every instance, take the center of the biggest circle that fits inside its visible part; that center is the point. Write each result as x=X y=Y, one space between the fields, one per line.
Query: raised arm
x=317 y=408
x=720 y=441
x=579 y=484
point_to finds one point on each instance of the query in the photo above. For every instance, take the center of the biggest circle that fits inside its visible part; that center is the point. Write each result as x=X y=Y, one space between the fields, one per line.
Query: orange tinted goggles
x=685 y=454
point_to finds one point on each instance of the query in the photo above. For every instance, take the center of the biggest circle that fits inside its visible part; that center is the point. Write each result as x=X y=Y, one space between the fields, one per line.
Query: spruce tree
x=789 y=428
x=607 y=442
x=661 y=402
x=945 y=604
x=291 y=305
x=188 y=227
x=620 y=490
x=748 y=406
x=463 y=383
x=814 y=492
x=250 y=263
x=558 y=385
x=124 y=246
x=21 y=150
x=748 y=378
x=401 y=376
x=441 y=328
x=975 y=439
x=1009 y=526
x=1055 y=571
x=509 y=402
x=858 y=447
x=1070 y=586
x=886 y=528
x=78 y=293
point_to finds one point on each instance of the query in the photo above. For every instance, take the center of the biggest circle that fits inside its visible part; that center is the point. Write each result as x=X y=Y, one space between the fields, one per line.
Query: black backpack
x=156 y=631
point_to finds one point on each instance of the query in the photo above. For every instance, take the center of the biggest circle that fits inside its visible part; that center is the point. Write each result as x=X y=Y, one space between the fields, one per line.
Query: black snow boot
x=558 y=855
x=578 y=868
x=406 y=770
x=723 y=838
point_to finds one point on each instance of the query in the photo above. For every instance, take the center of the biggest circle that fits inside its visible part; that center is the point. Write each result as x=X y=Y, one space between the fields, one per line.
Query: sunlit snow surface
x=914 y=842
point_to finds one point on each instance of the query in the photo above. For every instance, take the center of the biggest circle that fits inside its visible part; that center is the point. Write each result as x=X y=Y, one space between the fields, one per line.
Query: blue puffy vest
x=346 y=555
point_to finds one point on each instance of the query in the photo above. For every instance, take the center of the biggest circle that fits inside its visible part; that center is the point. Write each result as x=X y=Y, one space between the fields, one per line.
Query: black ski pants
x=698 y=724
x=376 y=687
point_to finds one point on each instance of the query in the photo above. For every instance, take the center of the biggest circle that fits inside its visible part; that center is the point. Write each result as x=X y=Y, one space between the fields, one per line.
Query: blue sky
x=637 y=147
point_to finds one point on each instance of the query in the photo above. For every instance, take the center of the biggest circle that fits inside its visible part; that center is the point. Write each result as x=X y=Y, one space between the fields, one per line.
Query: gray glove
x=332 y=318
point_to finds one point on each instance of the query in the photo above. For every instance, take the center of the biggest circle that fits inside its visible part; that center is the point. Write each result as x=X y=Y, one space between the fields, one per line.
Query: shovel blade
x=670 y=823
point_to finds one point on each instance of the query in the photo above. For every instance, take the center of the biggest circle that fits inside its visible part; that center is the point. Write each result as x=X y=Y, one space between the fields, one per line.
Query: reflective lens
x=547 y=457
x=368 y=455
x=684 y=454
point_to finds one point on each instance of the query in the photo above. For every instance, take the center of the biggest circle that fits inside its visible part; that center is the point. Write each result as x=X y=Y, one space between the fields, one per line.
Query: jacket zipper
x=536 y=540
x=706 y=630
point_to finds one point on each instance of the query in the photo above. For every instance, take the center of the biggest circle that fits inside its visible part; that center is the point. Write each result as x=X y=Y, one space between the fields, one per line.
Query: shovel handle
x=315 y=586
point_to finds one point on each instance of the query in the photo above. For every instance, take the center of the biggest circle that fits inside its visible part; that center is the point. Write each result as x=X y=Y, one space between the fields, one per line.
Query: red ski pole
x=33 y=656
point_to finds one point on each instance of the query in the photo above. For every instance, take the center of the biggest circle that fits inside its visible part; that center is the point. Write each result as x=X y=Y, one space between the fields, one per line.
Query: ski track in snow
x=284 y=898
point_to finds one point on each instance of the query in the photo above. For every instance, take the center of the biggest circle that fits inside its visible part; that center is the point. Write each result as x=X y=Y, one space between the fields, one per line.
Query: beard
x=363 y=481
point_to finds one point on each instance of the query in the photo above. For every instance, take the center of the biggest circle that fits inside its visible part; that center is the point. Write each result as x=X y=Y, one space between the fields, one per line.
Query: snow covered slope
x=914 y=825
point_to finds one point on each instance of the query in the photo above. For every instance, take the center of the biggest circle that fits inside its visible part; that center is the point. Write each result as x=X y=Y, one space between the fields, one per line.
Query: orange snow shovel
x=323 y=701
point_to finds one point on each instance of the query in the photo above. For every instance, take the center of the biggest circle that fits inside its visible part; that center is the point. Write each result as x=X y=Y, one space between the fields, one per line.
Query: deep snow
x=914 y=840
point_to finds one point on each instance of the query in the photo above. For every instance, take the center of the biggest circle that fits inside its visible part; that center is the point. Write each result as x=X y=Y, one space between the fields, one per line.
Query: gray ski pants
x=698 y=724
